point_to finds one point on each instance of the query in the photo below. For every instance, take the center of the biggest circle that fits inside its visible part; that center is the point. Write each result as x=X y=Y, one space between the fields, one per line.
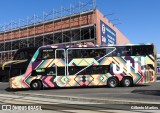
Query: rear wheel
x=112 y=82
x=36 y=85
x=127 y=82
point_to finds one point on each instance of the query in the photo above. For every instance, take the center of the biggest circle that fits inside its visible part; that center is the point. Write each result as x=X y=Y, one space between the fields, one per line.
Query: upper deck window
x=46 y=54
x=142 y=50
x=89 y=52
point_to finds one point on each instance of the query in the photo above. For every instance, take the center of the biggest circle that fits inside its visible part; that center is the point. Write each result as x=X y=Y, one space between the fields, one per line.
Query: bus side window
x=89 y=53
x=73 y=53
x=119 y=51
x=129 y=51
x=122 y=51
x=46 y=54
x=84 y=53
x=60 y=54
x=136 y=51
x=109 y=52
x=148 y=49
x=126 y=51
x=100 y=52
x=142 y=50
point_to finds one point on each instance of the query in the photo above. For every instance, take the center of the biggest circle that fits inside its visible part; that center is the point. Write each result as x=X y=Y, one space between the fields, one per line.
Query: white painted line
x=158 y=81
x=101 y=93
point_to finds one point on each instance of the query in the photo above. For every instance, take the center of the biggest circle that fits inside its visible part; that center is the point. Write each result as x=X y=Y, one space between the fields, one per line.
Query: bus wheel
x=126 y=82
x=112 y=82
x=36 y=85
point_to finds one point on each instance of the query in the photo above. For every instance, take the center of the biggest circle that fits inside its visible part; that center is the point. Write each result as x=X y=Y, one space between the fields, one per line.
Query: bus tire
x=112 y=82
x=127 y=82
x=36 y=85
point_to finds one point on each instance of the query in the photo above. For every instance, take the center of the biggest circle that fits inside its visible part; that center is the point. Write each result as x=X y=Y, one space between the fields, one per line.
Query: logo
x=129 y=65
x=103 y=39
x=6 y=107
x=103 y=29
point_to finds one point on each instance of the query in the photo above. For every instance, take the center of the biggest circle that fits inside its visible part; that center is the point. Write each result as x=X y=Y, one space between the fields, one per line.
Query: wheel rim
x=35 y=85
x=127 y=82
x=113 y=83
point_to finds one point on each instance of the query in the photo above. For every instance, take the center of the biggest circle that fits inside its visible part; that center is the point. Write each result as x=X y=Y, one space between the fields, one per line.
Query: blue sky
x=140 y=18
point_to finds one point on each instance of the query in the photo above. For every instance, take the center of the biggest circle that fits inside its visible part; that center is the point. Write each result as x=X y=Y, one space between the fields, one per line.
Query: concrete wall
x=121 y=39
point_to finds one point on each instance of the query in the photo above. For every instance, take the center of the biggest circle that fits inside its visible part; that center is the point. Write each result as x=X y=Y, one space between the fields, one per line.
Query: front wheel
x=36 y=85
x=112 y=82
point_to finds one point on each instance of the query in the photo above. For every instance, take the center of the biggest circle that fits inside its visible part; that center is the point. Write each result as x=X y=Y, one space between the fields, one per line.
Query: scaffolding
x=66 y=26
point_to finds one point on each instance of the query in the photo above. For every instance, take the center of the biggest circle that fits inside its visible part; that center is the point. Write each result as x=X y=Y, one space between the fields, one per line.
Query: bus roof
x=89 y=46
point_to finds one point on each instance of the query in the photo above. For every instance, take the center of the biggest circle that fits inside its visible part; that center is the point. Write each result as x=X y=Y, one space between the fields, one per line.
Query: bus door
x=60 y=67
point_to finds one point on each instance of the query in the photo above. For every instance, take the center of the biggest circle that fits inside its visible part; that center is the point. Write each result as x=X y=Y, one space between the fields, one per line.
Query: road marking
x=100 y=93
x=158 y=81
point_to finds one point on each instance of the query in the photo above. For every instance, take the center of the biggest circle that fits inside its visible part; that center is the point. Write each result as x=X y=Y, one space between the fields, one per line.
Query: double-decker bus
x=83 y=66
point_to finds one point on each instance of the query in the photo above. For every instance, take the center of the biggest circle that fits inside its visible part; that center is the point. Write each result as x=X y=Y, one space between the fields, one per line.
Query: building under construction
x=77 y=24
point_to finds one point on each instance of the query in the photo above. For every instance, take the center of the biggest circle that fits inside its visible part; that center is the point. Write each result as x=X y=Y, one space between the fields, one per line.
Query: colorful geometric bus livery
x=78 y=72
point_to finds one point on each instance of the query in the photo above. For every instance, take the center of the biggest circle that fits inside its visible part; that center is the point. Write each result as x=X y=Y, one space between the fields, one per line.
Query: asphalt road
x=148 y=92
x=47 y=105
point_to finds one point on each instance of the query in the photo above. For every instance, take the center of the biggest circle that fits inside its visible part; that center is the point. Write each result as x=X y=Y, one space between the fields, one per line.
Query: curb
x=81 y=99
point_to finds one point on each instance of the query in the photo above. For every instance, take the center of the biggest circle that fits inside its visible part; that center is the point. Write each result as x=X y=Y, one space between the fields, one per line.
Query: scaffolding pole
x=19 y=40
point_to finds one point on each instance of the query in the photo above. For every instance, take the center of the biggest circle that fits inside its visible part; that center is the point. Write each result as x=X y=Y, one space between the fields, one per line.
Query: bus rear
x=141 y=63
